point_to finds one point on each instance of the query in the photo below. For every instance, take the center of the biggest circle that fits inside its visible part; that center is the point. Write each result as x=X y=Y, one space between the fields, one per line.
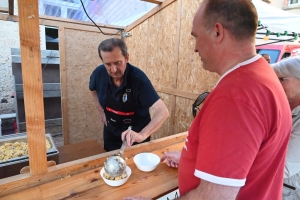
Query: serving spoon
x=115 y=165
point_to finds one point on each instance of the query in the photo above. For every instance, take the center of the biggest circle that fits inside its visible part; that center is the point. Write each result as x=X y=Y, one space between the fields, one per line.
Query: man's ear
x=218 y=31
x=127 y=58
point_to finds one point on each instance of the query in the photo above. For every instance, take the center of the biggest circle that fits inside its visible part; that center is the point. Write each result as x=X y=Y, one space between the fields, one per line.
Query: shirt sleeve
x=230 y=138
x=148 y=96
x=92 y=84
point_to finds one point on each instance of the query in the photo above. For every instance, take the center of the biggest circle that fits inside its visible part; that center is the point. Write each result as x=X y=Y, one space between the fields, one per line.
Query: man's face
x=268 y=58
x=114 y=62
x=291 y=87
x=203 y=40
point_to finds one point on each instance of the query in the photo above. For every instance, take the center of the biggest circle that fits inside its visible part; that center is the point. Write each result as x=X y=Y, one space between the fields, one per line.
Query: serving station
x=80 y=179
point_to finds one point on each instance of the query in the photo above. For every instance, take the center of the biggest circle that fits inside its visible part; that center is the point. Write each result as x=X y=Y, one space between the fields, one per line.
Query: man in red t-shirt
x=236 y=146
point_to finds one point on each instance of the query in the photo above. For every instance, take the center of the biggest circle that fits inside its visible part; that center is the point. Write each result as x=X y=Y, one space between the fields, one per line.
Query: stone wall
x=9 y=38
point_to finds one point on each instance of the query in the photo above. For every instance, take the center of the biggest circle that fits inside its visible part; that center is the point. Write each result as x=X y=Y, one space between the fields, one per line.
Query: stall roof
x=112 y=12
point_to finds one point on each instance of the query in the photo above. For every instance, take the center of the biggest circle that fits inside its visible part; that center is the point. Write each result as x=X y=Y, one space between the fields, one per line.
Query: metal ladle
x=115 y=165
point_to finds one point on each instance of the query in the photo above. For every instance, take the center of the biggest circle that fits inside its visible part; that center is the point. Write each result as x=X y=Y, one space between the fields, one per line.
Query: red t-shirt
x=240 y=136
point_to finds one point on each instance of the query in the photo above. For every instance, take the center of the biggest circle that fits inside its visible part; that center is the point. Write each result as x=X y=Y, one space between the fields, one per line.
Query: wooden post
x=63 y=85
x=11 y=7
x=177 y=46
x=32 y=85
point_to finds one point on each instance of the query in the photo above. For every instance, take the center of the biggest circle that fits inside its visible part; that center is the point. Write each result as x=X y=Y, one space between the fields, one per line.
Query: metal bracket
x=126 y=34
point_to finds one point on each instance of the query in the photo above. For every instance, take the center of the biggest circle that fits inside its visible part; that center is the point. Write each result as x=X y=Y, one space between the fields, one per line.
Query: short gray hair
x=288 y=67
x=110 y=44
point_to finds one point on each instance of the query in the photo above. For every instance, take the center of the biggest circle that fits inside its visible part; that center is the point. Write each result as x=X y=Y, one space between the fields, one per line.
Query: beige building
x=292 y=6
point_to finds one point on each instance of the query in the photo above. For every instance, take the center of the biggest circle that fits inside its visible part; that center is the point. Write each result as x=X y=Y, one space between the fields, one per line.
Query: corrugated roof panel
x=112 y=12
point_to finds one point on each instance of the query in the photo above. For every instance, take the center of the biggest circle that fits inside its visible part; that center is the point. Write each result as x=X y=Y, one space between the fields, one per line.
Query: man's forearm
x=161 y=113
x=96 y=102
x=207 y=190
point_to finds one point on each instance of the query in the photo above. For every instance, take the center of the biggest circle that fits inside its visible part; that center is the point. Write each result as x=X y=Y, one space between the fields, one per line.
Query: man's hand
x=131 y=137
x=103 y=117
x=172 y=158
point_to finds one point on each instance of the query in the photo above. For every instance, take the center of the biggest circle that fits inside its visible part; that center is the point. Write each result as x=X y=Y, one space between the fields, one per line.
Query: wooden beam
x=63 y=82
x=72 y=21
x=4 y=9
x=29 y=31
x=11 y=7
x=176 y=50
x=180 y=93
x=22 y=182
x=65 y=23
x=149 y=14
x=154 y=1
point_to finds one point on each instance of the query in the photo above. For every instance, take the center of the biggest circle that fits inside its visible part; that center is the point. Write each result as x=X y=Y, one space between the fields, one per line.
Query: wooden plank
x=11 y=7
x=72 y=21
x=80 y=150
x=179 y=7
x=33 y=85
x=24 y=181
x=63 y=83
x=180 y=93
x=149 y=14
x=30 y=194
x=4 y=9
x=154 y=1
x=77 y=26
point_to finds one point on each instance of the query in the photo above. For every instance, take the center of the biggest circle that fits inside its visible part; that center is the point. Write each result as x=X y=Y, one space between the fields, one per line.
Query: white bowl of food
x=146 y=162
x=117 y=181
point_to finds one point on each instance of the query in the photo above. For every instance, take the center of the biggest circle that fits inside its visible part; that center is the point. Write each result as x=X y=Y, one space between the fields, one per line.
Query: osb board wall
x=155 y=41
x=81 y=59
x=161 y=46
x=137 y=46
x=191 y=75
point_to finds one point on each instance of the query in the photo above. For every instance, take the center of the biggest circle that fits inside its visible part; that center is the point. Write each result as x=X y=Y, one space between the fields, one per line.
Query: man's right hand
x=103 y=118
x=172 y=158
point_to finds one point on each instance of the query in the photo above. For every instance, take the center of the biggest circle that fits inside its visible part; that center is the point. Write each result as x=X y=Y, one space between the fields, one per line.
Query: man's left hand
x=131 y=137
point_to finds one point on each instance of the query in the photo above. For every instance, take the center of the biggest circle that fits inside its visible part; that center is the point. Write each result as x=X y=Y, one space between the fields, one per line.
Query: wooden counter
x=80 y=179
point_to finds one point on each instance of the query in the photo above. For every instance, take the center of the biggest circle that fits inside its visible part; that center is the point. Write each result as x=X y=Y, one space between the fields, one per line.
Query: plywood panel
x=161 y=46
x=183 y=114
x=165 y=129
x=81 y=59
x=82 y=47
x=137 y=46
x=191 y=76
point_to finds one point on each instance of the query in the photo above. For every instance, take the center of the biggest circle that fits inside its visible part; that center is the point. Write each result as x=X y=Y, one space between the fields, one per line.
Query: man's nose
x=113 y=68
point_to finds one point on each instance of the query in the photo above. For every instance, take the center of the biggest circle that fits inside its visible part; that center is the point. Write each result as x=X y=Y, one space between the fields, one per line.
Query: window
x=274 y=54
x=293 y=2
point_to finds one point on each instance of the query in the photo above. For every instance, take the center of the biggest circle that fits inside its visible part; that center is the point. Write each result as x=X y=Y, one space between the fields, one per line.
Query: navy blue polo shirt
x=142 y=89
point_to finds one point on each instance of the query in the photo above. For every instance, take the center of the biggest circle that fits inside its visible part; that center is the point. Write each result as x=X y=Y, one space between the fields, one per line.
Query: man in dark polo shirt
x=123 y=94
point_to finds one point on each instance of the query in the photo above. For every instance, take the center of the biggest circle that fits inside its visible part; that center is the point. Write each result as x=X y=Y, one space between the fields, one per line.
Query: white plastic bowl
x=118 y=182
x=146 y=162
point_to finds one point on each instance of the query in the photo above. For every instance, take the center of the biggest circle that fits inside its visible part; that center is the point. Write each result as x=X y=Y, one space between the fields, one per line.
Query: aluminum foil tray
x=22 y=137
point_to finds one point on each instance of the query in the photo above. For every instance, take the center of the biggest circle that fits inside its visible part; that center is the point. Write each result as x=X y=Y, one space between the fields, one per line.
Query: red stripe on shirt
x=119 y=112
